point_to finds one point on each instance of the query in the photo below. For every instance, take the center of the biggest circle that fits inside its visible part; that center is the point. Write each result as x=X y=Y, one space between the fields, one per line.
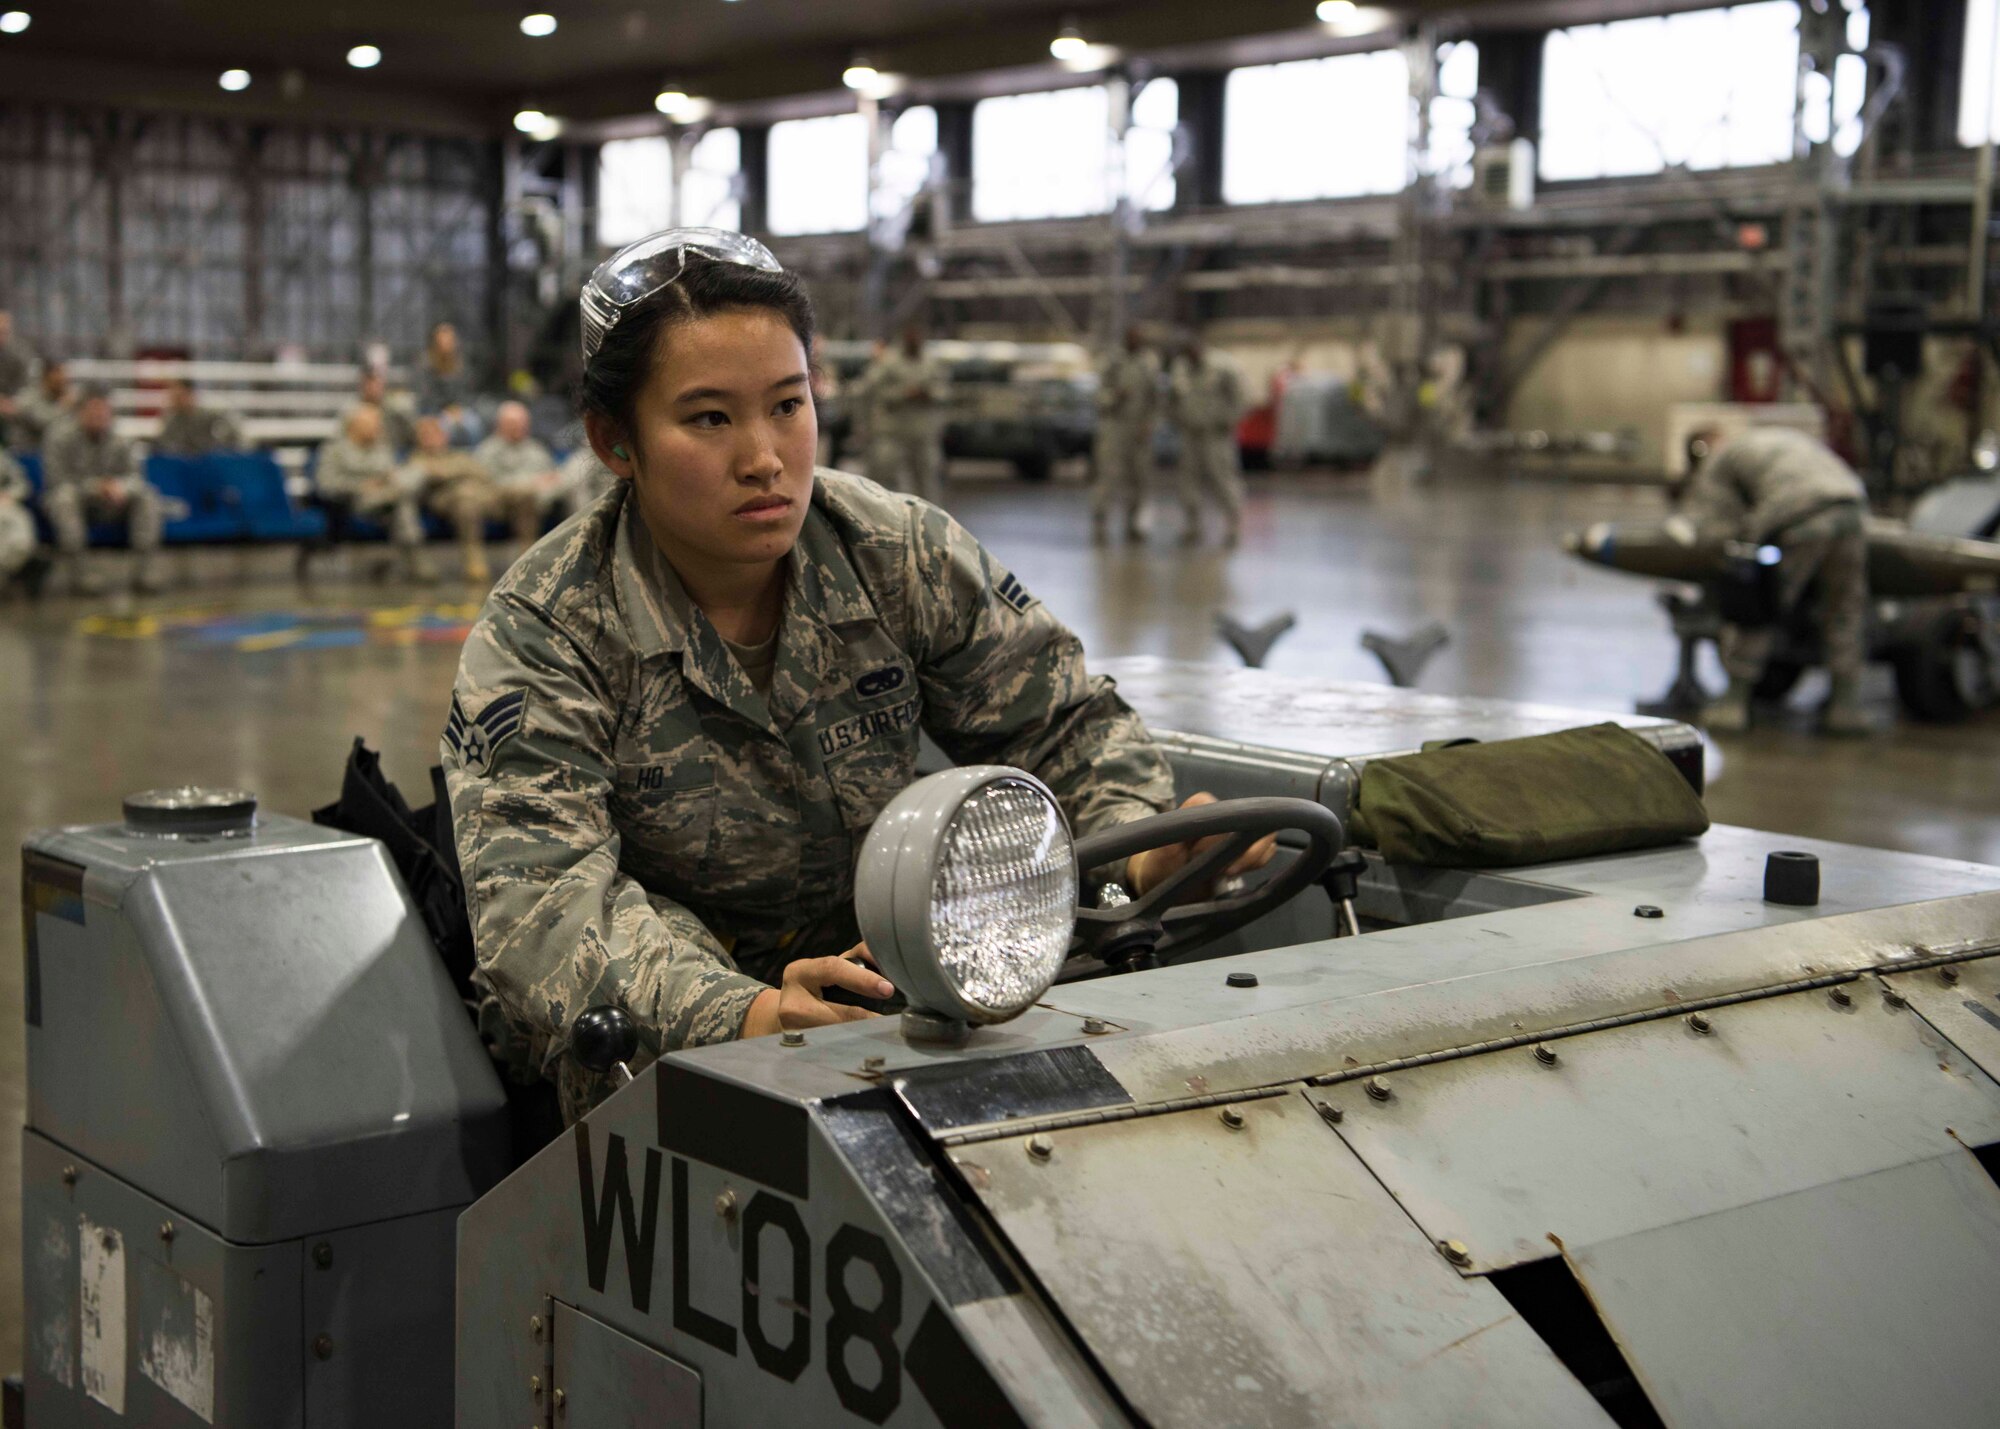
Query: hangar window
x=1049 y=155
x=819 y=174
x=1978 y=96
x=1331 y=128
x=1705 y=89
x=635 y=183
x=709 y=193
x=907 y=157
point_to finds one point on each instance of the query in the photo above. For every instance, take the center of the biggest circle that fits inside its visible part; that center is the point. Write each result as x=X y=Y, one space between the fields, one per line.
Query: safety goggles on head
x=639 y=270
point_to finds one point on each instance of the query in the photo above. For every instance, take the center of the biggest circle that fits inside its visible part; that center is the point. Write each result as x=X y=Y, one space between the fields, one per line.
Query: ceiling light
x=538 y=25
x=670 y=102
x=1334 y=11
x=537 y=125
x=364 y=57
x=860 y=75
x=235 y=79
x=1070 y=44
x=13 y=22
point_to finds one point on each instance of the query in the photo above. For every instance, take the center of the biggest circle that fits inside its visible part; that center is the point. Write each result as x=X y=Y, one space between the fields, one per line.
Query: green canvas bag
x=1599 y=789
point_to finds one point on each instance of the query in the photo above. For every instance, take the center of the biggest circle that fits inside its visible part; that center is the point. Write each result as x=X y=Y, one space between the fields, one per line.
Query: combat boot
x=1729 y=714
x=1843 y=714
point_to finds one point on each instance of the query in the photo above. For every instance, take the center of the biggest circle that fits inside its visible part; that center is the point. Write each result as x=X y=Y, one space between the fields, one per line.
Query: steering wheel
x=1157 y=925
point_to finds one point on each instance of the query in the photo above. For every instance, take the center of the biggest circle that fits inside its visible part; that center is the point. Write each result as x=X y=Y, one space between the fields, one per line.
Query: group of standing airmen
x=903 y=401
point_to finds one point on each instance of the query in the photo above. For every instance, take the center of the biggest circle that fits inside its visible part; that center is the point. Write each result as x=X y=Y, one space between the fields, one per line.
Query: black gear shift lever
x=603 y=1041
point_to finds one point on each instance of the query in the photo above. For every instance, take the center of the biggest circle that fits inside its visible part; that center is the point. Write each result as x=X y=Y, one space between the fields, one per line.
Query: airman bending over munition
x=1778 y=487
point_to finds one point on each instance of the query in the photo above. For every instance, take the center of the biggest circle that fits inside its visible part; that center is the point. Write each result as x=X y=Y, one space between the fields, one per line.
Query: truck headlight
x=966 y=895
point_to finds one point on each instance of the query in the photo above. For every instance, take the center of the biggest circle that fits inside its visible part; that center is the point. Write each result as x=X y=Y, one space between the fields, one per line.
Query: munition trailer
x=1611 y=1141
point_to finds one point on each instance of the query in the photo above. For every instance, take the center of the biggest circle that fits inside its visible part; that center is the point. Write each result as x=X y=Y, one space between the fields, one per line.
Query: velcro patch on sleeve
x=1013 y=593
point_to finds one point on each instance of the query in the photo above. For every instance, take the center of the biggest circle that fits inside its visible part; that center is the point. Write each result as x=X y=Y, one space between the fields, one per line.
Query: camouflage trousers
x=17 y=537
x=1123 y=468
x=1211 y=472
x=1824 y=555
x=910 y=460
x=71 y=509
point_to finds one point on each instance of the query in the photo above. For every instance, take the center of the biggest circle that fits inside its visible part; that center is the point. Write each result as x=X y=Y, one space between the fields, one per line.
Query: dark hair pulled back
x=632 y=348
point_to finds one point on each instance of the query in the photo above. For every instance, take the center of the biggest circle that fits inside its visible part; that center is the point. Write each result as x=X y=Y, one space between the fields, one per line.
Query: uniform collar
x=822 y=591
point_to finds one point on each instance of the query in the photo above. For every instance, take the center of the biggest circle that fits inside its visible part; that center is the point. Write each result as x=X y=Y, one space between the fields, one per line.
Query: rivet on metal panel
x=323 y=1255
x=535 y=1386
x=1041 y=1148
x=562 y=1402
x=323 y=1346
x=1647 y=910
x=1241 y=980
x=110 y=1240
x=535 y=1327
x=725 y=1204
x=69 y=1175
x=1893 y=998
x=1377 y=1089
x=791 y=1039
x=1455 y=1252
x=1840 y=997
x=1232 y=1118
x=167 y=1232
x=1331 y=1115
x=1093 y=1026
x=1700 y=1024
x=1948 y=976
x=1546 y=1055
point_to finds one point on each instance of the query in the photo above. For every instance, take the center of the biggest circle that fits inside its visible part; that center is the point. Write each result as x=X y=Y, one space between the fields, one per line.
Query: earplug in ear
x=621 y=454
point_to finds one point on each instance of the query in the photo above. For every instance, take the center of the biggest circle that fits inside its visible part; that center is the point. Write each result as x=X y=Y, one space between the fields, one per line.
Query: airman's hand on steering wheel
x=1145 y=871
x=801 y=1000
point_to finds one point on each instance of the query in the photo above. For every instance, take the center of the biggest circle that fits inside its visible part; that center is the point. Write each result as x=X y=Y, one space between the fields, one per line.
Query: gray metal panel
x=1331 y=718
x=1321 y=1007
x=379 y=1295
x=249 y=975
x=611 y=1381
x=1962 y=1002
x=1865 y=1302
x=245 y=1370
x=1656 y=1124
x=1262 y=1277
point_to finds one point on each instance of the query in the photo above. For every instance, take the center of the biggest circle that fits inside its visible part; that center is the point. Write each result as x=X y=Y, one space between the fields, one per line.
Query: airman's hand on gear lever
x=1144 y=871
x=801 y=1000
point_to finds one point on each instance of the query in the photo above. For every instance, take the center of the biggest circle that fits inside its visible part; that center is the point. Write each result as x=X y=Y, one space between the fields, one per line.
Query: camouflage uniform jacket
x=349 y=470
x=514 y=465
x=636 y=825
x=890 y=385
x=74 y=455
x=1208 y=398
x=1128 y=387
x=197 y=432
x=1765 y=480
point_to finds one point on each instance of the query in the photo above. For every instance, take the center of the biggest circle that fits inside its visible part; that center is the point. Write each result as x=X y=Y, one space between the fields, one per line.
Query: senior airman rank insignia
x=477 y=740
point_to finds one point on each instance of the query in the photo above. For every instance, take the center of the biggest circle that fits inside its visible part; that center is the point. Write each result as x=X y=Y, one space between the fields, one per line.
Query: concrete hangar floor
x=256 y=684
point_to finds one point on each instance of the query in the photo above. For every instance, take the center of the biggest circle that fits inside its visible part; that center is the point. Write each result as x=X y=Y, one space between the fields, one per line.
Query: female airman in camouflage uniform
x=678 y=714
